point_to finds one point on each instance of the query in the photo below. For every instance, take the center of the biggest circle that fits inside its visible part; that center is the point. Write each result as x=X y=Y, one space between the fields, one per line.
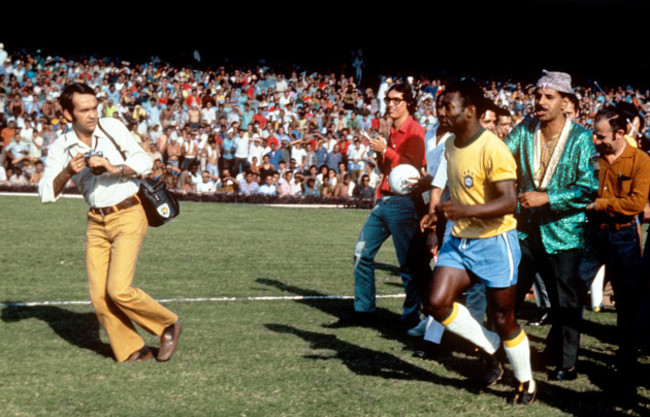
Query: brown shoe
x=140 y=355
x=169 y=342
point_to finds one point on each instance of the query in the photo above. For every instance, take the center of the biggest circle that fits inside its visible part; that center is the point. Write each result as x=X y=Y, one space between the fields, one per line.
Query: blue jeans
x=620 y=252
x=396 y=216
x=476 y=301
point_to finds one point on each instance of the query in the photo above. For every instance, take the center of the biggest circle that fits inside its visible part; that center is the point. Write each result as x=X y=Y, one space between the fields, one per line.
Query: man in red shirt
x=393 y=214
x=259 y=118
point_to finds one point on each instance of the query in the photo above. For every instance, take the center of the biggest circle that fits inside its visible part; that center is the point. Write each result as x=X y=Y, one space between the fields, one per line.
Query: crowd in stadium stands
x=243 y=130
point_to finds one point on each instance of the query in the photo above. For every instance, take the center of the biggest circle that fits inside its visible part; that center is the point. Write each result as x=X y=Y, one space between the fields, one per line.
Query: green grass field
x=246 y=357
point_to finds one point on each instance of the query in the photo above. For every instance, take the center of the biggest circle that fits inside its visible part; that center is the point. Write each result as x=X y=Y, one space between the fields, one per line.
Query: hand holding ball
x=402 y=178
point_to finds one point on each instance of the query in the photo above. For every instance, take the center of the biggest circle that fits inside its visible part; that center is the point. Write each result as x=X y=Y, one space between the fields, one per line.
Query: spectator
x=3 y=175
x=207 y=184
x=364 y=190
x=309 y=188
x=268 y=188
x=249 y=185
x=297 y=185
x=226 y=183
x=17 y=176
x=284 y=188
x=344 y=188
x=158 y=170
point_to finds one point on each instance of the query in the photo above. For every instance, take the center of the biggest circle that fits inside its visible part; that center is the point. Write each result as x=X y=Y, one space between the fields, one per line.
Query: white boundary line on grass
x=10 y=194
x=204 y=299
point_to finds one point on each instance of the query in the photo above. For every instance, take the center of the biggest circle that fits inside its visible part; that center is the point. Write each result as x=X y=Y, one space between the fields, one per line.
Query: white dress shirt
x=102 y=190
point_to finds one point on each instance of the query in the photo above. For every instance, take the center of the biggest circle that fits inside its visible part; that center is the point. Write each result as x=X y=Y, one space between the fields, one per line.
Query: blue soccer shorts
x=494 y=260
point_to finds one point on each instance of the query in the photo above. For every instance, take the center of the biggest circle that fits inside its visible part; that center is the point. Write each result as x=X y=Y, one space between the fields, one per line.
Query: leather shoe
x=563 y=374
x=492 y=371
x=540 y=321
x=168 y=342
x=523 y=394
x=140 y=355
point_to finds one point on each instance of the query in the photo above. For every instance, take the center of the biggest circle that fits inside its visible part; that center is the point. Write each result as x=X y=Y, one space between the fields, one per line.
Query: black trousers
x=620 y=252
x=560 y=274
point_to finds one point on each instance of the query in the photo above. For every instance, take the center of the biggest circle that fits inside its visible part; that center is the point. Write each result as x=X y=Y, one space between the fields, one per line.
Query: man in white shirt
x=255 y=150
x=117 y=223
x=269 y=188
x=207 y=183
x=209 y=113
x=241 y=152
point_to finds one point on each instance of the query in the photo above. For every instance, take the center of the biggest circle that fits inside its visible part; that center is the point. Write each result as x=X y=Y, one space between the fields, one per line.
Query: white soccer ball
x=402 y=177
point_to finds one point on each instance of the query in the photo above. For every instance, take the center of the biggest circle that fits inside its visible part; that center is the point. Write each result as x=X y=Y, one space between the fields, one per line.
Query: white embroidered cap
x=558 y=81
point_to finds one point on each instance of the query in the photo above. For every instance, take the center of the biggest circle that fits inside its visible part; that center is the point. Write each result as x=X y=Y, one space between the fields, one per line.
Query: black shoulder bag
x=159 y=204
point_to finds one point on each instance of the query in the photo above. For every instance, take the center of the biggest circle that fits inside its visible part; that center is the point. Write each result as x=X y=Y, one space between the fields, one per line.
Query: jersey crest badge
x=469 y=181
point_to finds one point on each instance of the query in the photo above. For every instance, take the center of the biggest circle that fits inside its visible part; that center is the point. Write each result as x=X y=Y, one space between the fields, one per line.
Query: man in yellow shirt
x=483 y=247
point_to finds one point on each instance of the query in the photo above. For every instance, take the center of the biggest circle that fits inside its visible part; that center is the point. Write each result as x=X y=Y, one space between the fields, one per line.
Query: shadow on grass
x=364 y=361
x=569 y=398
x=385 y=322
x=606 y=333
x=79 y=329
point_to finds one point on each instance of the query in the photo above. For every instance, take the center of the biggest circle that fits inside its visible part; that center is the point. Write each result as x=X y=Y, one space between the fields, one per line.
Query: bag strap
x=143 y=181
x=108 y=135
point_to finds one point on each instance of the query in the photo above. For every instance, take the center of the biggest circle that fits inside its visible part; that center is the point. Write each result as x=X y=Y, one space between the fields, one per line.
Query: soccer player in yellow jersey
x=483 y=247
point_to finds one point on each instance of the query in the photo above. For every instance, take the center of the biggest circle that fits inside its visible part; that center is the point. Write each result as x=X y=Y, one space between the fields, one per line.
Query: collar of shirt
x=628 y=152
x=403 y=128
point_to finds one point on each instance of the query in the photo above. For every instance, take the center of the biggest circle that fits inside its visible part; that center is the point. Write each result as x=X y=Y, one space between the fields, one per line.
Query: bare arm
x=429 y=220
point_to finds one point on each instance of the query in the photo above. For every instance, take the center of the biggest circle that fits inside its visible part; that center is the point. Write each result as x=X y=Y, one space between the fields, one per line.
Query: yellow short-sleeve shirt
x=472 y=171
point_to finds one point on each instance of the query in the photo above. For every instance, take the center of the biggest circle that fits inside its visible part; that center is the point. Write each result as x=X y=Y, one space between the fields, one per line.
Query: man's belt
x=105 y=211
x=613 y=226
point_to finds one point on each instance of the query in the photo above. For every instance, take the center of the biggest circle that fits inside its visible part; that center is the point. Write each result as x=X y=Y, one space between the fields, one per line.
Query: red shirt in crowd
x=272 y=139
x=257 y=117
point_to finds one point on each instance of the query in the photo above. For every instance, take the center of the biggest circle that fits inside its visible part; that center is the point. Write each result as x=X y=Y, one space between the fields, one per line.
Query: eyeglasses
x=394 y=100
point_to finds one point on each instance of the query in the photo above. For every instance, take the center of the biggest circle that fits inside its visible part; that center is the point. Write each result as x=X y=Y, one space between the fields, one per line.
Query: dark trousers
x=644 y=308
x=560 y=274
x=620 y=252
x=240 y=165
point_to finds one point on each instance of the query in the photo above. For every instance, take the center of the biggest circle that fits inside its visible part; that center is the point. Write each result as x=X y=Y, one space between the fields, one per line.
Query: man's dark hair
x=573 y=99
x=407 y=94
x=65 y=99
x=614 y=116
x=628 y=111
x=489 y=105
x=471 y=95
x=502 y=112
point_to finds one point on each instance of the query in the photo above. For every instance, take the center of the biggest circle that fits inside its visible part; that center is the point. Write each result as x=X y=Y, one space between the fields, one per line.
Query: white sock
x=464 y=325
x=518 y=352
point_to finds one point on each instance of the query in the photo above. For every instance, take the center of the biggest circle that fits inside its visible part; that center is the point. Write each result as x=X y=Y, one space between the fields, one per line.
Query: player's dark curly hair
x=471 y=95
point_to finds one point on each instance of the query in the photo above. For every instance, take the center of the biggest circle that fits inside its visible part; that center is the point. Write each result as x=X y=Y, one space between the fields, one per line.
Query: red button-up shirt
x=405 y=146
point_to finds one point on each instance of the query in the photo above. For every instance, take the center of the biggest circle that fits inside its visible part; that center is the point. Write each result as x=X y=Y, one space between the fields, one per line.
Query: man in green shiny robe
x=556 y=182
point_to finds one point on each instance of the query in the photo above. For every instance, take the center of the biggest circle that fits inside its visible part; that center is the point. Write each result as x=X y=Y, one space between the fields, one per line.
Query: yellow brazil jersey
x=472 y=171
